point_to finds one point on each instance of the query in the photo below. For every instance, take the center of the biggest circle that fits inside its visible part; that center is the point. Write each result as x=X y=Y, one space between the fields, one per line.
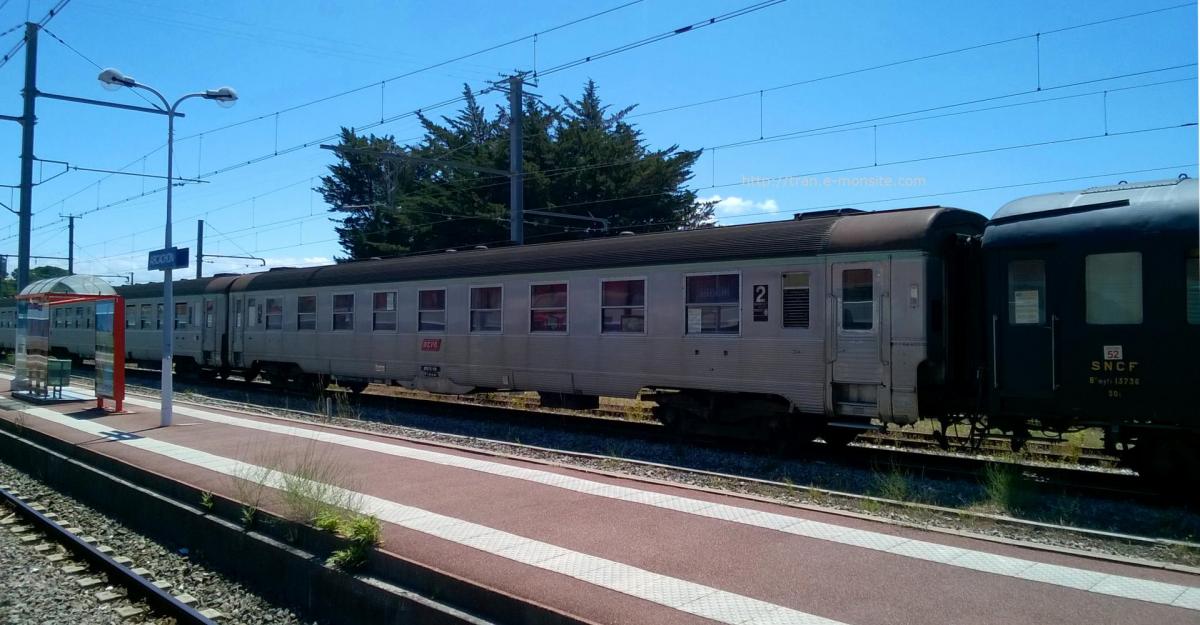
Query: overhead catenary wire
x=55 y=10
x=767 y=180
x=633 y=45
x=1019 y=104
x=351 y=91
x=819 y=131
x=813 y=208
x=842 y=127
x=799 y=134
x=915 y=59
x=307 y=144
x=95 y=64
x=433 y=106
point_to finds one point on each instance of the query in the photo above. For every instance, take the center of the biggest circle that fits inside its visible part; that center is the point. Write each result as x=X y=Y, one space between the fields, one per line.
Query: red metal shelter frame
x=118 y=332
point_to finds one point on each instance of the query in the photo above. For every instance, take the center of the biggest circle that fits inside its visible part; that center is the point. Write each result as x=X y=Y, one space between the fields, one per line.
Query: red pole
x=119 y=351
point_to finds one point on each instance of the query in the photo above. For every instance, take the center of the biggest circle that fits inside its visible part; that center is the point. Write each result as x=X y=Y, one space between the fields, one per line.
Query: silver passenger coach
x=830 y=319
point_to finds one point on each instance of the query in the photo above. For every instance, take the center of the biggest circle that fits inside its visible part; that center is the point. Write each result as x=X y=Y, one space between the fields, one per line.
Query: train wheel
x=672 y=418
x=1165 y=462
x=838 y=437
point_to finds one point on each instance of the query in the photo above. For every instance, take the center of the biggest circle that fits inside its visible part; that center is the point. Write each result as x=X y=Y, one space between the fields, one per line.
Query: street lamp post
x=225 y=96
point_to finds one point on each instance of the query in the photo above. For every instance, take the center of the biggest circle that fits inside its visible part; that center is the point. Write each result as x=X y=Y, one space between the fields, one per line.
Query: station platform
x=610 y=550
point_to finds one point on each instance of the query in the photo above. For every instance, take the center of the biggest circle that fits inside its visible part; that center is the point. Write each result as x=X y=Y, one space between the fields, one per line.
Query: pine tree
x=579 y=158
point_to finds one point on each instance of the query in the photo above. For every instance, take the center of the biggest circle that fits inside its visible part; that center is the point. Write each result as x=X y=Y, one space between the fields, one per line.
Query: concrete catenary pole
x=28 y=119
x=515 y=161
x=71 y=244
x=199 y=248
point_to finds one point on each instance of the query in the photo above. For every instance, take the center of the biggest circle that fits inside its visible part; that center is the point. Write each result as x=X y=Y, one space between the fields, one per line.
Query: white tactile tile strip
x=1101 y=583
x=717 y=605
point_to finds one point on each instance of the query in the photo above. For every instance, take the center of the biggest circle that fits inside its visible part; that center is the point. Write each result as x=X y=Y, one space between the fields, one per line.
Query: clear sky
x=279 y=54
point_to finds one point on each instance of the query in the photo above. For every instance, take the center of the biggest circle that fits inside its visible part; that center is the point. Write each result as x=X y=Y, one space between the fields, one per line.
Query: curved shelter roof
x=69 y=285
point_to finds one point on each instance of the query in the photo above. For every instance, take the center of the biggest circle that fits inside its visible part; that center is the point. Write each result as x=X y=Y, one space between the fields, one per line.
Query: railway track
x=109 y=578
x=910 y=454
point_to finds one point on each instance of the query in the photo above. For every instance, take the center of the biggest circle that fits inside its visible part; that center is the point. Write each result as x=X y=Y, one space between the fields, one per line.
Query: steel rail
x=139 y=586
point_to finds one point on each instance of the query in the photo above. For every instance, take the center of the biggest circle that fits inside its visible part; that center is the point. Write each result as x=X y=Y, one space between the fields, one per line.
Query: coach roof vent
x=481 y=247
x=624 y=233
x=280 y=268
x=833 y=212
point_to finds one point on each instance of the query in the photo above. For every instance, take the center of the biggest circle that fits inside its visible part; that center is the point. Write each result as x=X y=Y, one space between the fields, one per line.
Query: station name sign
x=169 y=258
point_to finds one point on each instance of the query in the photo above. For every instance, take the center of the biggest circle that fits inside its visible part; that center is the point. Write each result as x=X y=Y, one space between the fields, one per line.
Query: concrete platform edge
x=153 y=505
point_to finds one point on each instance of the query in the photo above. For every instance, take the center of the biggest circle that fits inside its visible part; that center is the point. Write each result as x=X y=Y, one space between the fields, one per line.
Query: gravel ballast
x=35 y=591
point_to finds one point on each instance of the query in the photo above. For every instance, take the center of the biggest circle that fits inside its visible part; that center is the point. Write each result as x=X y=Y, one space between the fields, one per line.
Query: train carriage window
x=79 y=317
x=1026 y=292
x=274 y=313
x=548 y=307
x=796 y=300
x=210 y=313
x=158 y=318
x=623 y=306
x=1193 y=286
x=147 y=309
x=306 y=312
x=130 y=316
x=383 y=311
x=858 y=299
x=486 y=314
x=253 y=313
x=343 y=312
x=182 y=316
x=431 y=310
x=713 y=304
x=1113 y=285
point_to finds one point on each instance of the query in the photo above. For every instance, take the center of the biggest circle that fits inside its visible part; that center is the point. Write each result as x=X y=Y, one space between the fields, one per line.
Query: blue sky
x=280 y=54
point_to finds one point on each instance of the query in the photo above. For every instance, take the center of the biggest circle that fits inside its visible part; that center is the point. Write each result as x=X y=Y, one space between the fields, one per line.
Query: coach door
x=860 y=338
x=210 y=332
x=1024 y=329
x=238 y=331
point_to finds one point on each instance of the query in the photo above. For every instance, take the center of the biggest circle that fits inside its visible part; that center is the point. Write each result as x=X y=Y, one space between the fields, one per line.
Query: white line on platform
x=697 y=599
x=1069 y=577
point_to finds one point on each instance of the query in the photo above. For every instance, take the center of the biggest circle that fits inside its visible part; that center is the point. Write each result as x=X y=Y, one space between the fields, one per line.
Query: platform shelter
x=39 y=376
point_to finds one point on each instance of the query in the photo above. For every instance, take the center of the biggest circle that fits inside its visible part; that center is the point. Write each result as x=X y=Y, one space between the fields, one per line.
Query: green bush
x=363 y=532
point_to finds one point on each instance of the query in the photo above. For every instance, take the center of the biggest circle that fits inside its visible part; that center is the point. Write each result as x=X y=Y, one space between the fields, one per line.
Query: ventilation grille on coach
x=795 y=307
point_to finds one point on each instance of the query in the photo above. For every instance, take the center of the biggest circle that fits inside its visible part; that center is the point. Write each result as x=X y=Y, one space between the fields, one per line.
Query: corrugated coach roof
x=1119 y=212
x=154 y=289
x=883 y=230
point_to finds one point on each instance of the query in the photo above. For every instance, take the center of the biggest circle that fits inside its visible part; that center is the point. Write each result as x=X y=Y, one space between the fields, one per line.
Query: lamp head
x=113 y=79
x=224 y=96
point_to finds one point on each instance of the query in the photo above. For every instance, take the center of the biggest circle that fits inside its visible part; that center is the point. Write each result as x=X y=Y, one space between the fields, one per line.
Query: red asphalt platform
x=804 y=577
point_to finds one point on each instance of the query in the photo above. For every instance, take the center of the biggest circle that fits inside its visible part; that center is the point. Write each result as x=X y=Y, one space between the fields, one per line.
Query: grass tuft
x=1005 y=488
x=363 y=532
x=893 y=484
x=249 y=516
